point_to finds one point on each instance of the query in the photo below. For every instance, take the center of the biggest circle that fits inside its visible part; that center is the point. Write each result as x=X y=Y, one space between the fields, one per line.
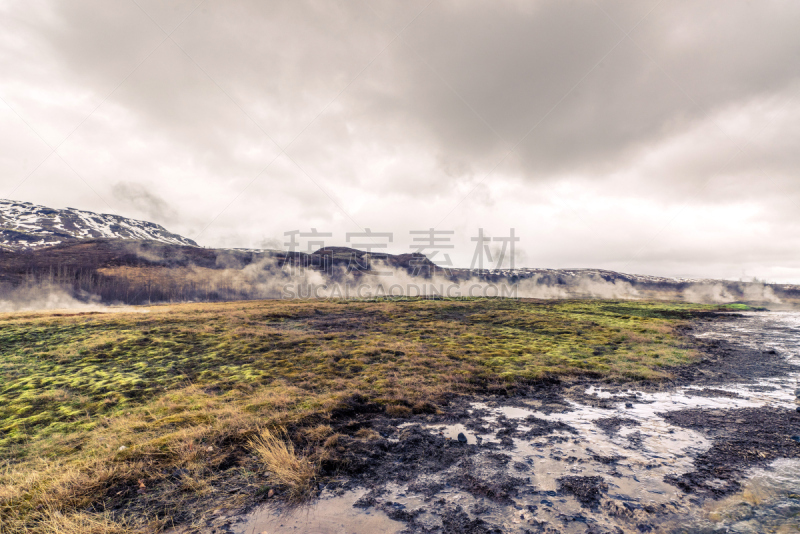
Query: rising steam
x=156 y=276
x=45 y=297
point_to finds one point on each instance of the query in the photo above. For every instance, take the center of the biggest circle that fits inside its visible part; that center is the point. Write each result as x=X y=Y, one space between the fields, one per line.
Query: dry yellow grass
x=286 y=468
x=53 y=521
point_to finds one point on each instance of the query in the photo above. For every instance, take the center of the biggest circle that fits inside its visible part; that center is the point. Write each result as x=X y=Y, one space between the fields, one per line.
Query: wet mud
x=715 y=451
x=743 y=439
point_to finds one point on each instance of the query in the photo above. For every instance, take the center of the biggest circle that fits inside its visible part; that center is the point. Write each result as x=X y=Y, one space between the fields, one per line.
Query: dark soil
x=611 y=425
x=587 y=490
x=743 y=438
x=457 y=521
x=375 y=462
x=542 y=427
x=725 y=362
x=711 y=392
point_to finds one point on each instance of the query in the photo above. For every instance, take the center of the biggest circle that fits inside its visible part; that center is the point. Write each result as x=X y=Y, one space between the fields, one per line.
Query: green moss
x=59 y=374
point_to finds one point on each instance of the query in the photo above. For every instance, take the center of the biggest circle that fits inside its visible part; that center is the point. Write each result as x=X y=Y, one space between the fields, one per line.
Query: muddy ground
x=519 y=461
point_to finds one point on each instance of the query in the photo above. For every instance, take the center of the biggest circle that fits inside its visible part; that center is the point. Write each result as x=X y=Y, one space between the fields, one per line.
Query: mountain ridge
x=26 y=226
x=120 y=260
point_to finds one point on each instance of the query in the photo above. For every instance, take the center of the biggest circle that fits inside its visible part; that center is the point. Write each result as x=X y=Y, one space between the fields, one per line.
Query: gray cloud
x=143 y=200
x=631 y=150
x=528 y=71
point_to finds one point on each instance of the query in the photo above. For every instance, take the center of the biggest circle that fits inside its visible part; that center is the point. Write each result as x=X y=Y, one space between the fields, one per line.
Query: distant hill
x=141 y=271
x=146 y=271
x=113 y=259
x=27 y=226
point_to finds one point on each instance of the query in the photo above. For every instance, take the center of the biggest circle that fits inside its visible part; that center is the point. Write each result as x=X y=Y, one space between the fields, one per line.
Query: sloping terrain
x=25 y=226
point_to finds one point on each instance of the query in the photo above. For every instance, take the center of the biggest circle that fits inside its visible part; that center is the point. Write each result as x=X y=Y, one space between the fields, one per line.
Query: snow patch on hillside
x=27 y=226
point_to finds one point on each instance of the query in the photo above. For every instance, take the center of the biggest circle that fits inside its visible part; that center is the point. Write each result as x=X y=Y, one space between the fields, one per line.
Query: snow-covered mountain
x=27 y=226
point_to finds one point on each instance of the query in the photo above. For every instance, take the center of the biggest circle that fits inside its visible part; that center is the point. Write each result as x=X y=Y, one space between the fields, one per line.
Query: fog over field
x=642 y=137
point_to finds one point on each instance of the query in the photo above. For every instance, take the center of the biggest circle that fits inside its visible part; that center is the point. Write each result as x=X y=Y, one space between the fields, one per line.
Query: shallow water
x=330 y=514
x=769 y=502
x=632 y=460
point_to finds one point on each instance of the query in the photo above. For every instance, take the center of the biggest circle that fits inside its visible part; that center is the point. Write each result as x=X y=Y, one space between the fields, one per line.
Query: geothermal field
x=401 y=415
x=399 y=266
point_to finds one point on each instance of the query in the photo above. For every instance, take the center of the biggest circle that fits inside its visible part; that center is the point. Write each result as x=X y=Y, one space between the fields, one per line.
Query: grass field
x=113 y=422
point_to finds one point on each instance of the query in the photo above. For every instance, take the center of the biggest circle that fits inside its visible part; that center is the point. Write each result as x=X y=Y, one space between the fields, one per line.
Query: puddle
x=331 y=514
x=768 y=502
x=451 y=432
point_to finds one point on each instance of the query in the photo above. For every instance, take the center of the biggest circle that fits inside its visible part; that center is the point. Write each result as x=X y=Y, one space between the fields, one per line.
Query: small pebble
x=462 y=438
x=629 y=405
x=796 y=438
x=122 y=448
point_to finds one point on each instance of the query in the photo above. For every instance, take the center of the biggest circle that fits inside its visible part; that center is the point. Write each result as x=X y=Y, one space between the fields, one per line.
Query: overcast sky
x=640 y=136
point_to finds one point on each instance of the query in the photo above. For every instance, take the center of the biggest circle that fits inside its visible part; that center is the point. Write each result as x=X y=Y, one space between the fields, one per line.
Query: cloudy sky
x=656 y=137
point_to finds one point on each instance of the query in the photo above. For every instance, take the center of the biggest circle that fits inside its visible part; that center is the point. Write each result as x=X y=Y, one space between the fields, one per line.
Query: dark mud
x=411 y=453
x=414 y=456
x=724 y=362
x=611 y=425
x=743 y=438
x=587 y=490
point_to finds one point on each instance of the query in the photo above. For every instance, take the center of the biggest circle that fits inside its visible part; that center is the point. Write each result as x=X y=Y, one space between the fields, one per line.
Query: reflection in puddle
x=450 y=432
x=329 y=515
x=768 y=502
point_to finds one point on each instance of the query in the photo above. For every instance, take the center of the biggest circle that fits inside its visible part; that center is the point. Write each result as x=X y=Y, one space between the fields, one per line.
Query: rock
x=797 y=393
x=798 y=408
x=462 y=438
x=122 y=448
x=629 y=405
x=796 y=438
x=271 y=493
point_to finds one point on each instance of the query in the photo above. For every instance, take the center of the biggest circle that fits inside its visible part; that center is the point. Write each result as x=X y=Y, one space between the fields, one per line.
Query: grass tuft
x=295 y=473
